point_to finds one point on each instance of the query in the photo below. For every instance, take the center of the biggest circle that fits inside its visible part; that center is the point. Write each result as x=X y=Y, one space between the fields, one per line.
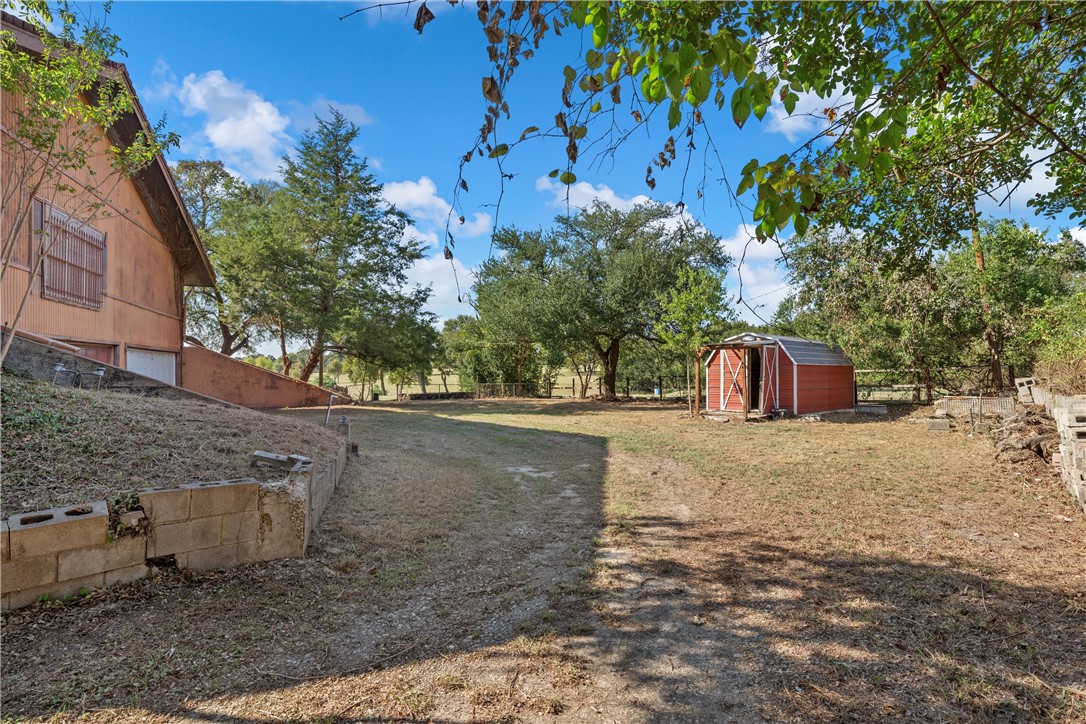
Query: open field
x=578 y=561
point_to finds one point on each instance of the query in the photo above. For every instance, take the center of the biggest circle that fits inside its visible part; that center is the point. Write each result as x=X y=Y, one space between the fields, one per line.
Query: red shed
x=781 y=373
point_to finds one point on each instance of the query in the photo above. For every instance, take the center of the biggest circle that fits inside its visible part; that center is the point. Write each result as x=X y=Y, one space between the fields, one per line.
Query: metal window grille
x=74 y=268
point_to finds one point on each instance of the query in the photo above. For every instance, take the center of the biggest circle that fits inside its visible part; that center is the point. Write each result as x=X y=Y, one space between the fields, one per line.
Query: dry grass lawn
x=62 y=445
x=576 y=561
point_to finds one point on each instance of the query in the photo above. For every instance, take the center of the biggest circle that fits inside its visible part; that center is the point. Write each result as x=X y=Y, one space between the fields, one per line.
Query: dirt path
x=581 y=562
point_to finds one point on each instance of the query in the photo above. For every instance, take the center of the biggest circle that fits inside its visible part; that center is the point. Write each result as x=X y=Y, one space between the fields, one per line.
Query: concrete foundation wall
x=203 y=526
x=38 y=361
x=241 y=383
x=1069 y=412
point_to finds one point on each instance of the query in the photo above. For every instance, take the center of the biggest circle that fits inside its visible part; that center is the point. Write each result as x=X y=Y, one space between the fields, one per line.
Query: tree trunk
x=316 y=353
x=445 y=381
x=609 y=358
x=995 y=363
x=689 y=402
x=422 y=382
x=283 y=350
x=989 y=334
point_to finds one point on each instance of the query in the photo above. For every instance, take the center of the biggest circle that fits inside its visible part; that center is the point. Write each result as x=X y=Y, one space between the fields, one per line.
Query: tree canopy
x=948 y=100
x=597 y=279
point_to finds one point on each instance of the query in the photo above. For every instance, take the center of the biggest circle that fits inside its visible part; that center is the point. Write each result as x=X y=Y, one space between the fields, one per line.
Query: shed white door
x=161 y=366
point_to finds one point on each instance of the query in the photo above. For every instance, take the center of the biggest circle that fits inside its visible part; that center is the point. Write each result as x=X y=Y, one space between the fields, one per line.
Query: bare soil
x=62 y=445
x=578 y=561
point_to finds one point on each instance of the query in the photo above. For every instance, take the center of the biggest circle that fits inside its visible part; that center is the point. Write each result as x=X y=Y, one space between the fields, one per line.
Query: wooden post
x=746 y=383
x=697 y=384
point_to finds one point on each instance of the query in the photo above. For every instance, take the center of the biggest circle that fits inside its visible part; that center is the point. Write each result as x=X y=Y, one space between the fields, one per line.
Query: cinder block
x=937 y=425
x=238 y=527
x=211 y=559
x=56 y=590
x=164 y=505
x=219 y=498
x=58 y=529
x=282 y=534
x=122 y=553
x=27 y=573
x=126 y=575
x=5 y=548
x=191 y=535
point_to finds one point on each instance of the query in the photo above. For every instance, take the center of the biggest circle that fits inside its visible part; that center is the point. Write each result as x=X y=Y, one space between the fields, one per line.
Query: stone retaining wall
x=199 y=526
x=1069 y=412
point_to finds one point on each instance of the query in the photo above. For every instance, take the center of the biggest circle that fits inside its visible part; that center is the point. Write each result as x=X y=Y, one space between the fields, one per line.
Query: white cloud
x=762 y=286
x=163 y=82
x=1038 y=183
x=583 y=193
x=246 y=131
x=304 y=116
x=744 y=246
x=1078 y=233
x=807 y=118
x=437 y=273
x=428 y=238
x=422 y=202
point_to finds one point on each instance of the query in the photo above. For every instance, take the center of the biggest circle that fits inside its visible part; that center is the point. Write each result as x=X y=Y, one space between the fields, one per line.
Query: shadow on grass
x=840 y=637
x=454 y=536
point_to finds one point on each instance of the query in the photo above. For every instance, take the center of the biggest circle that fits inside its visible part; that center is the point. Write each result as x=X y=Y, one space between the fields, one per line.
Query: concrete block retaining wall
x=202 y=526
x=1069 y=412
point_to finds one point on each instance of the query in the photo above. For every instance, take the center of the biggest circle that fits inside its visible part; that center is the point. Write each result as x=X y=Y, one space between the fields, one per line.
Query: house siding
x=142 y=305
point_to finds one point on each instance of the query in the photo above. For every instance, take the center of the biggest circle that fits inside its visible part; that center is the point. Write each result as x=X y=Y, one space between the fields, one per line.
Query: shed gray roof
x=802 y=351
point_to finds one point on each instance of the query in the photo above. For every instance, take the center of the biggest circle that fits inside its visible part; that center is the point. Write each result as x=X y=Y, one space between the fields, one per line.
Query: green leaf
x=688 y=55
x=800 y=222
x=595 y=108
x=790 y=102
x=600 y=30
x=741 y=105
x=881 y=163
x=745 y=185
x=781 y=214
x=528 y=130
x=569 y=73
x=568 y=178
x=594 y=59
x=760 y=209
x=751 y=165
x=500 y=150
x=700 y=85
x=674 y=115
x=553 y=174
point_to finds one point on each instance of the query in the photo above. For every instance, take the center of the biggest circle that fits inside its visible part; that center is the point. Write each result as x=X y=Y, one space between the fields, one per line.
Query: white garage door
x=161 y=366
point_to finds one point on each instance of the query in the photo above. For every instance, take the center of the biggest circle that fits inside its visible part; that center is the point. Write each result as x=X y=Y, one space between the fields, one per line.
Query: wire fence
x=919 y=385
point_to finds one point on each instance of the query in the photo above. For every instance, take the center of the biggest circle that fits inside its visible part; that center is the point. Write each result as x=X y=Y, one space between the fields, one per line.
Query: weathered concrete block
x=58 y=529
x=238 y=527
x=28 y=573
x=191 y=535
x=18 y=599
x=219 y=498
x=121 y=553
x=264 y=459
x=282 y=533
x=5 y=548
x=166 y=505
x=126 y=575
x=933 y=425
x=211 y=559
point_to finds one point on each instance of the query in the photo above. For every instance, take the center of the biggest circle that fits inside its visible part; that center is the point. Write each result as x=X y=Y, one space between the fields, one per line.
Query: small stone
x=132 y=519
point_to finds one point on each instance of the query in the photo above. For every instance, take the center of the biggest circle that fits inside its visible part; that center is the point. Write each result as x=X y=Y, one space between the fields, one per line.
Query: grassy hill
x=60 y=445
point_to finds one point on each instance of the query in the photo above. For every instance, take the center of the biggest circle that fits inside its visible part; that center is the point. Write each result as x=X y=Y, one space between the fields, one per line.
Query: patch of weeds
x=452 y=682
x=396 y=575
x=486 y=696
x=550 y=705
x=120 y=504
x=549 y=615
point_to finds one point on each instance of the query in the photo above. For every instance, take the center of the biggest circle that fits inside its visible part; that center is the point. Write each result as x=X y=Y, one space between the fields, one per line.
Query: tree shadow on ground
x=448 y=536
x=835 y=636
x=452 y=539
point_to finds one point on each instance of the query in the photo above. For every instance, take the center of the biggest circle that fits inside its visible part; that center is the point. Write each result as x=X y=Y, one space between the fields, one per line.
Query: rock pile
x=1026 y=434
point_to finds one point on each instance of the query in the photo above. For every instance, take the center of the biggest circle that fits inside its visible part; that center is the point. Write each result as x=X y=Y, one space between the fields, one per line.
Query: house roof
x=154 y=183
x=801 y=351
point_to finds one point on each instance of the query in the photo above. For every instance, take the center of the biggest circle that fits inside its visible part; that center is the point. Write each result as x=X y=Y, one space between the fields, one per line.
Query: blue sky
x=240 y=82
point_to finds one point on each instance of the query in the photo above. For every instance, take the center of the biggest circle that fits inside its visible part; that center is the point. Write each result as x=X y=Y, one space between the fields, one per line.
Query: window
x=74 y=267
